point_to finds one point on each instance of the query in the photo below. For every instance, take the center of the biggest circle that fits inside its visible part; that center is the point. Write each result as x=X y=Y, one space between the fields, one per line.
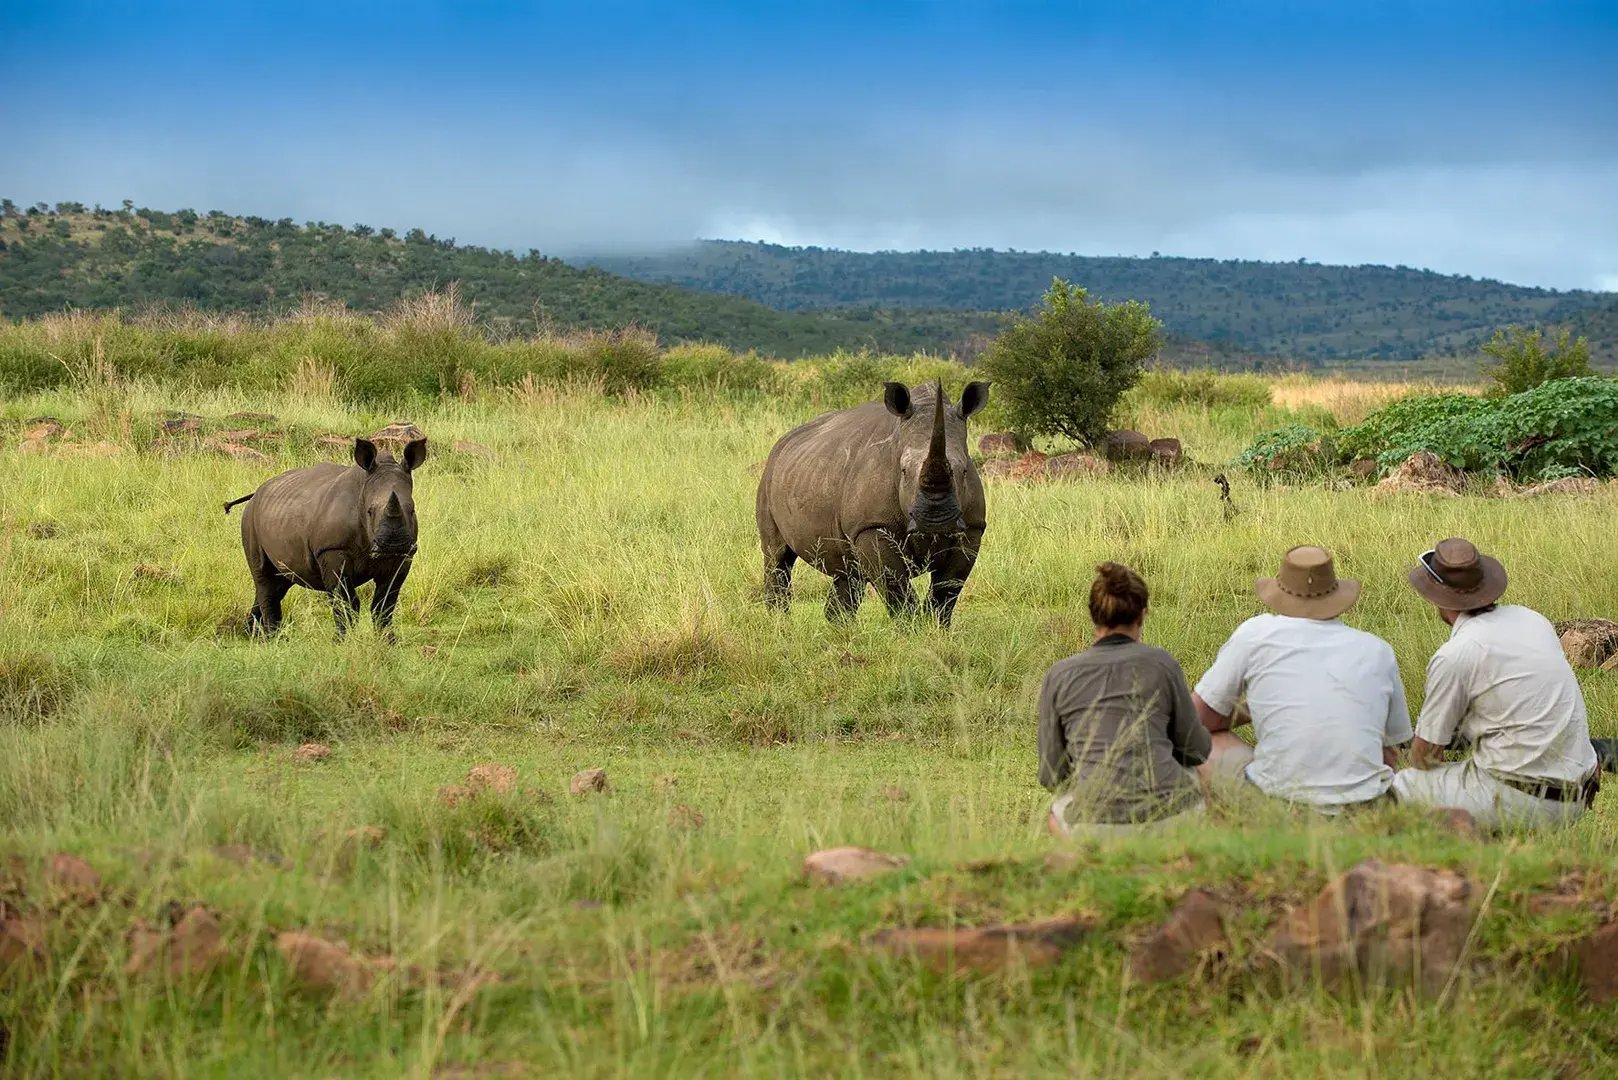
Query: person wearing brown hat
x=1502 y=685
x=1325 y=699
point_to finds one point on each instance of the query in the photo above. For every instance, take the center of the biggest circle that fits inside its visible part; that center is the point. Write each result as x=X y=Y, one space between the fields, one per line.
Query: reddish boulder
x=586 y=781
x=1597 y=958
x=1195 y=928
x=1126 y=446
x=1167 y=452
x=1076 y=466
x=311 y=751
x=490 y=776
x=396 y=436
x=836 y=866
x=1001 y=444
x=986 y=950
x=1588 y=642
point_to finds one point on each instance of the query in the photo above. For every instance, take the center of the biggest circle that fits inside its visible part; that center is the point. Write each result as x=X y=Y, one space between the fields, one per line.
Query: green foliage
x=1062 y=370
x=1293 y=452
x=1166 y=388
x=1524 y=362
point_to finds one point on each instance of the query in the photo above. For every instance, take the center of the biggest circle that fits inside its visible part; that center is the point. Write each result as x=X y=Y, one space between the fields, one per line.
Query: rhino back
x=834 y=475
x=295 y=515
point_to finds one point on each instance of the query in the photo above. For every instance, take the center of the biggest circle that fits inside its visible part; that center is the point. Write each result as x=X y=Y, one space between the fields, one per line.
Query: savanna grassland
x=587 y=595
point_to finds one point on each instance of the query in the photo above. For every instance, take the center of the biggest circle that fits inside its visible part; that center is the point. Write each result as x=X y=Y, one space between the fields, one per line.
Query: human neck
x=1130 y=632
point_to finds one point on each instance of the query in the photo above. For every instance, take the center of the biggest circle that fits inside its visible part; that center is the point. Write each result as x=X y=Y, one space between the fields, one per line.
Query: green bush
x=1294 y=452
x=1166 y=388
x=1062 y=370
x=1524 y=362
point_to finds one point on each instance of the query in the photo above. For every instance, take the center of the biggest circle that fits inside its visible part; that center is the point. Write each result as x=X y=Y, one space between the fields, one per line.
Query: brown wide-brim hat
x=1456 y=576
x=1307 y=586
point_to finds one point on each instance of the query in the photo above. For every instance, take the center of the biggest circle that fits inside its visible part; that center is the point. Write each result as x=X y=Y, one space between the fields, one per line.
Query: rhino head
x=929 y=453
x=388 y=510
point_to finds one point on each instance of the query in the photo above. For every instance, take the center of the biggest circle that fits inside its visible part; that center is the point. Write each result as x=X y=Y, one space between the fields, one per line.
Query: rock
x=1126 y=446
x=1377 y=923
x=190 y=947
x=365 y=835
x=311 y=752
x=246 y=416
x=71 y=878
x=1364 y=469
x=1454 y=820
x=429 y=651
x=1076 y=466
x=243 y=855
x=472 y=449
x=325 y=965
x=1167 y=452
x=997 y=469
x=586 y=781
x=1588 y=643
x=490 y=776
x=668 y=781
x=182 y=424
x=835 y=866
x=986 y=950
x=242 y=453
x=1597 y=959
x=1424 y=472
x=148 y=572
x=452 y=795
x=344 y=442
x=685 y=818
x=43 y=530
x=894 y=793
x=1031 y=466
x=396 y=435
x=44 y=429
x=101 y=449
x=245 y=435
x=22 y=941
x=1195 y=927
x=1567 y=485
x=1503 y=488
x=1001 y=444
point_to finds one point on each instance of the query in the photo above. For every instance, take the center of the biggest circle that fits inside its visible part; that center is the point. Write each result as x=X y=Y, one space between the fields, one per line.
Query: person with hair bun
x=1118 y=732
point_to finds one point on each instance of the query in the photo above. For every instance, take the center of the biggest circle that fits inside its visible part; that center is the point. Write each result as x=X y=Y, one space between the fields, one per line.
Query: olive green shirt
x=1118 y=730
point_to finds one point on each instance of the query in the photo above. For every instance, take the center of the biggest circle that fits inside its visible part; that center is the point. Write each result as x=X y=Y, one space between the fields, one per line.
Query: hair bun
x=1115 y=577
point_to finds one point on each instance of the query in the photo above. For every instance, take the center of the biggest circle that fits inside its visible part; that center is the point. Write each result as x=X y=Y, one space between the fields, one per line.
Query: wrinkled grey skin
x=878 y=493
x=333 y=528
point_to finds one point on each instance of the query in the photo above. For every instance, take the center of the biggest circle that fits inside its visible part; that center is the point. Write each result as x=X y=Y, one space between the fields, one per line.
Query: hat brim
x=1442 y=596
x=1328 y=606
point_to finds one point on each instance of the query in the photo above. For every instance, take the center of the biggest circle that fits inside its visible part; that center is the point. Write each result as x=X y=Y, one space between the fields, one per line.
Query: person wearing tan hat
x=1325 y=699
x=1502 y=685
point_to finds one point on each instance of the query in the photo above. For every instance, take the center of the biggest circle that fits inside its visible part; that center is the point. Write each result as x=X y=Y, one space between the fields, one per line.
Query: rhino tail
x=236 y=502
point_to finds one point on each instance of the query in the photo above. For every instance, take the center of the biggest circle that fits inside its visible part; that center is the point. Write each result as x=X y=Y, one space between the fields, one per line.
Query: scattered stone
x=44 y=429
x=396 y=436
x=472 y=449
x=1031 y=466
x=668 y=781
x=1126 y=446
x=1567 y=485
x=894 y=793
x=1424 y=472
x=685 y=818
x=1167 y=453
x=22 y=941
x=325 y=965
x=452 y=795
x=1597 y=958
x=1588 y=642
x=1195 y=928
x=997 y=469
x=429 y=651
x=586 y=781
x=101 y=449
x=836 y=866
x=489 y=776
x=1569 y=896
x=1076 y=466
x=1377 y=922
x=1001 y=444
x=246 y=435
x=71 y=878
x=182 y=424
x=242 y=453
x=345 y=442
x=247 y=416
x=310 y=752
x=987 y=950
x=148 y=572
x=366 y=835
x=43 y=530
x=190 y=946
x=243 y=855
x=1364 y=469
x=1455 y=820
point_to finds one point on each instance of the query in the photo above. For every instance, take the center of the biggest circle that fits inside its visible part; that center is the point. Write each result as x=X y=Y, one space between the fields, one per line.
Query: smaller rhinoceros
x=333 y=528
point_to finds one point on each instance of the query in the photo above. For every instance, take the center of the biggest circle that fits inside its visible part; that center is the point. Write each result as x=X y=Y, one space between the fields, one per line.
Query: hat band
x=1305 y=595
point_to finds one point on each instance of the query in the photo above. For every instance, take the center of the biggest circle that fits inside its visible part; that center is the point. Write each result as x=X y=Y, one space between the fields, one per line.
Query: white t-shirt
x=1503 y=681
x=1325 y=699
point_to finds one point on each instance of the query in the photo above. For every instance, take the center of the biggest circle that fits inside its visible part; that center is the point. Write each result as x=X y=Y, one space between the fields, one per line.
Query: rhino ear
x=365 y=454
x=896 y=396
x=974 y=398
x=415 y=452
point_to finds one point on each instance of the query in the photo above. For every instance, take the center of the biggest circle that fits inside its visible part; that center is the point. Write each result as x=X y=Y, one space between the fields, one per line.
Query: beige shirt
x=1502 y=683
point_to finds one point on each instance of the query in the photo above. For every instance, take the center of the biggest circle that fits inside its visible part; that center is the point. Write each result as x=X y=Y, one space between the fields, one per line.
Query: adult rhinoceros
x=878 y=493
x=332 y=528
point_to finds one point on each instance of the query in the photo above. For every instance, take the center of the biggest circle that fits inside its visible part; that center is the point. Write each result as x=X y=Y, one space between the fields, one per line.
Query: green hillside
x=1301 y=310
x=72 y=256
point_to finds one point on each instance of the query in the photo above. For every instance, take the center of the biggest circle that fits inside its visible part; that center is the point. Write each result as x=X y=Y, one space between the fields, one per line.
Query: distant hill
x=73 y=256
x=1302 y=310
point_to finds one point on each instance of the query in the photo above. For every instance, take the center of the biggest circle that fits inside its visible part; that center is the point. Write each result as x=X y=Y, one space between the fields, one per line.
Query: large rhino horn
x=935 y=470
x=394 y=509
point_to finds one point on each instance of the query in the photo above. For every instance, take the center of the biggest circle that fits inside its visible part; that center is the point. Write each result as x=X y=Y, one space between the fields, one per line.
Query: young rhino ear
x=974 y=398
x=896 y=396
x=365 y=454
x=415 y=452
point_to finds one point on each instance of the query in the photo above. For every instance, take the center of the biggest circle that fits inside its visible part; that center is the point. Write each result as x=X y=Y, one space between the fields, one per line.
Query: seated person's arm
x=1190 y=743
x=1424 y=755
x=1054 y=764
x=1446 y=703
x=1218 y=695
x=1212 y=719
x=1396 y=733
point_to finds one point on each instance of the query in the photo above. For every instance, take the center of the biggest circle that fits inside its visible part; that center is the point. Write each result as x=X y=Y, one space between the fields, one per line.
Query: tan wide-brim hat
x=1456 y=576
x=1308 y=586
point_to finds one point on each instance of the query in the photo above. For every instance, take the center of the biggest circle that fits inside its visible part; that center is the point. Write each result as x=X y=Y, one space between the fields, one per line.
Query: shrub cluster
x=1560 y=428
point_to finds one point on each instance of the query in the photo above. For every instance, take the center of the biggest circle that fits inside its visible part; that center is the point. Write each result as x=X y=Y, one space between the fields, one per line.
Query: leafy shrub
x=1524 y=362
x=714 y=368
x=1165 y=387
x=1291 y=452
x=1062 y=370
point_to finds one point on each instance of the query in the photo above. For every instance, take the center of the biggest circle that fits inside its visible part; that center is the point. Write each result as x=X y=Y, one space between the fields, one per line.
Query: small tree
x=1062 y=370
x=1524 y=362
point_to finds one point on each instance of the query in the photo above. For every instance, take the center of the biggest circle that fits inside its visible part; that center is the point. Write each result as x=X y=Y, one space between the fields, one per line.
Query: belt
x=1553 y=791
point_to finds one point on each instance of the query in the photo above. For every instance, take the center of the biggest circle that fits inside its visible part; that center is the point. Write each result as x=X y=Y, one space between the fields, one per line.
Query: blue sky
x=1475 y=138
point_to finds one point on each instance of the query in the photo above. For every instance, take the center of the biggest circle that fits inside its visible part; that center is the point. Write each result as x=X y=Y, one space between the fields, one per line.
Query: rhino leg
x=269 y=590
x=386 y=599
x=778 y=577
x=882 y=562
x=950 y=570
x=843 y=602
x=344 y=605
